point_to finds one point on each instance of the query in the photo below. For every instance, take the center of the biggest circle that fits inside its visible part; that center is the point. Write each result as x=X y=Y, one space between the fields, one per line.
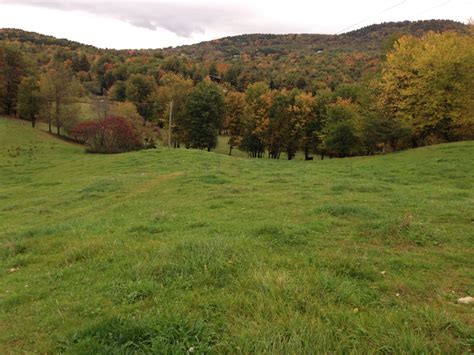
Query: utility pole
x=102 y=107
x=169 y=124
x=106 y=106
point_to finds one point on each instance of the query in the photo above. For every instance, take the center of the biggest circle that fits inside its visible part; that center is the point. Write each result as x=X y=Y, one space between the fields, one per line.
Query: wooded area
x=382 y=88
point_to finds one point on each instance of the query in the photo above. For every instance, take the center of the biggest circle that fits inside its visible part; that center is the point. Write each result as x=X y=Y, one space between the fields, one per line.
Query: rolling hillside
x=307 y=61
x=186 y=251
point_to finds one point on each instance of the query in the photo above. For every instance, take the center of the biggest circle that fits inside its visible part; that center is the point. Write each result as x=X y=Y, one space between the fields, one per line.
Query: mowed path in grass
x=166 y=250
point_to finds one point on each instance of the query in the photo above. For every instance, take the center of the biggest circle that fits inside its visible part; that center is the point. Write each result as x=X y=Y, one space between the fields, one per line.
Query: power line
x=377 y=14
x=392 y=7
x=432 y=8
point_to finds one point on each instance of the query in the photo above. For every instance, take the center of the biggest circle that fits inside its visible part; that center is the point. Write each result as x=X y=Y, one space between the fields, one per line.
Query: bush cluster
x=109 y=135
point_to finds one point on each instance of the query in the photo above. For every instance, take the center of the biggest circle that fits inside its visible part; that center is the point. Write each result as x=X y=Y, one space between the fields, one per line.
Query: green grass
x=164 y=250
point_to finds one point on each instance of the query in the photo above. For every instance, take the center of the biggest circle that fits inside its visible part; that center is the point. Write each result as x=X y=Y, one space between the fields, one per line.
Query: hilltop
x=18 y=35
x=167 y=250
x=367 y=38
x=373 y=38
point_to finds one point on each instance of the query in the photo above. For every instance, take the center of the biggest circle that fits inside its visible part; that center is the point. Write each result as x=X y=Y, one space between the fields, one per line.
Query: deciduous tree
x=174 y=88
x=140 y=90
x=12 y=70
x=58 y=88
x=427 y=84
x=234 y=117
x=258 y=98
x=205 y=107
x=29 y=99
x=339 y=135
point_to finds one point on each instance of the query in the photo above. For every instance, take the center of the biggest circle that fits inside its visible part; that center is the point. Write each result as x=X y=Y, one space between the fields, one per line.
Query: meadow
x=184 y=251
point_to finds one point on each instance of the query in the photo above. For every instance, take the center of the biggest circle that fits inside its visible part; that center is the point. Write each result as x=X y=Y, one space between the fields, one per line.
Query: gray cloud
x=183 y=19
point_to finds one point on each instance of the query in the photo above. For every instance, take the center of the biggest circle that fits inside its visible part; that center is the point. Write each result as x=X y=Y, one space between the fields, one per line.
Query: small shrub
x=82 y=131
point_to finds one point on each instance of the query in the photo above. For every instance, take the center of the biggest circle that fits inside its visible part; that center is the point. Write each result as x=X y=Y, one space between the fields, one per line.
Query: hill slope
x=18 y=35
x=307 y=61
x=168 y=250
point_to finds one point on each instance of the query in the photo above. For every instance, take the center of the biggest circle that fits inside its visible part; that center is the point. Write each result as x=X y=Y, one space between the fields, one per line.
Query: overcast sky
x=158 y=23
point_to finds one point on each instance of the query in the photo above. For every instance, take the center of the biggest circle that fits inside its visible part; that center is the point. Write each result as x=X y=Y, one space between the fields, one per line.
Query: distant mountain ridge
x=271 y=43
x=14 y=34
x=369 y=38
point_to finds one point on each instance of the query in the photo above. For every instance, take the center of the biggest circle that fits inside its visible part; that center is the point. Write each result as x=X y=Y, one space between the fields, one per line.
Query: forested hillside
x=327 y=94
x=370 y=38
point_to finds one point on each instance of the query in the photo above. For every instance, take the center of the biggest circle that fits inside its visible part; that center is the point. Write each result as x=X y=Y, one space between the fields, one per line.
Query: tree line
x=420 y=95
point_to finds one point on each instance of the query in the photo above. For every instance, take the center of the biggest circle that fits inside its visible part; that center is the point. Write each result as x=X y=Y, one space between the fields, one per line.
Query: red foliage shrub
x=82 y=131
x=110 y=135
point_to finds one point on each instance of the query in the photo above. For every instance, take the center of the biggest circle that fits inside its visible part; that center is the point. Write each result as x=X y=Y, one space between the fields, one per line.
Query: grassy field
x=176 y=251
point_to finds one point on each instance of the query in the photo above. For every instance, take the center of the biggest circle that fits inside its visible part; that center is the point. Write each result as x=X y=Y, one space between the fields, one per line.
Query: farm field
x=176 y=251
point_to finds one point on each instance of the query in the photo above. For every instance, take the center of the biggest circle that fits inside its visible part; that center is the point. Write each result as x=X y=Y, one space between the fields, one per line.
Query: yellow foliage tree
x=233 y=119
x=427 y=83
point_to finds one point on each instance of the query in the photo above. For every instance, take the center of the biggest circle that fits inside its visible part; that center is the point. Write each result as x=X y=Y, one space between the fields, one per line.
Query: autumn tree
x=426 y=83
x=58 y=88
x=306 y=110
x=102 y=70
x=234 y=118
x=172 y=96
x=118 y=91
x=80 y=63
x=205 y=108
x=47 y=94
x=29 y=99
x=258 y=99
x=300 y=111
x=108 y=135
x=232 y=76
x=140 y=90
x=277 y=128
x=213 y=70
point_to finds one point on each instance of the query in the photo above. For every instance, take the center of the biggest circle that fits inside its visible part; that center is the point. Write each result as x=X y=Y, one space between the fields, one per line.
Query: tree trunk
x=49 y=120
x=290 y=154
x=57 y=118
x=33 y=121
